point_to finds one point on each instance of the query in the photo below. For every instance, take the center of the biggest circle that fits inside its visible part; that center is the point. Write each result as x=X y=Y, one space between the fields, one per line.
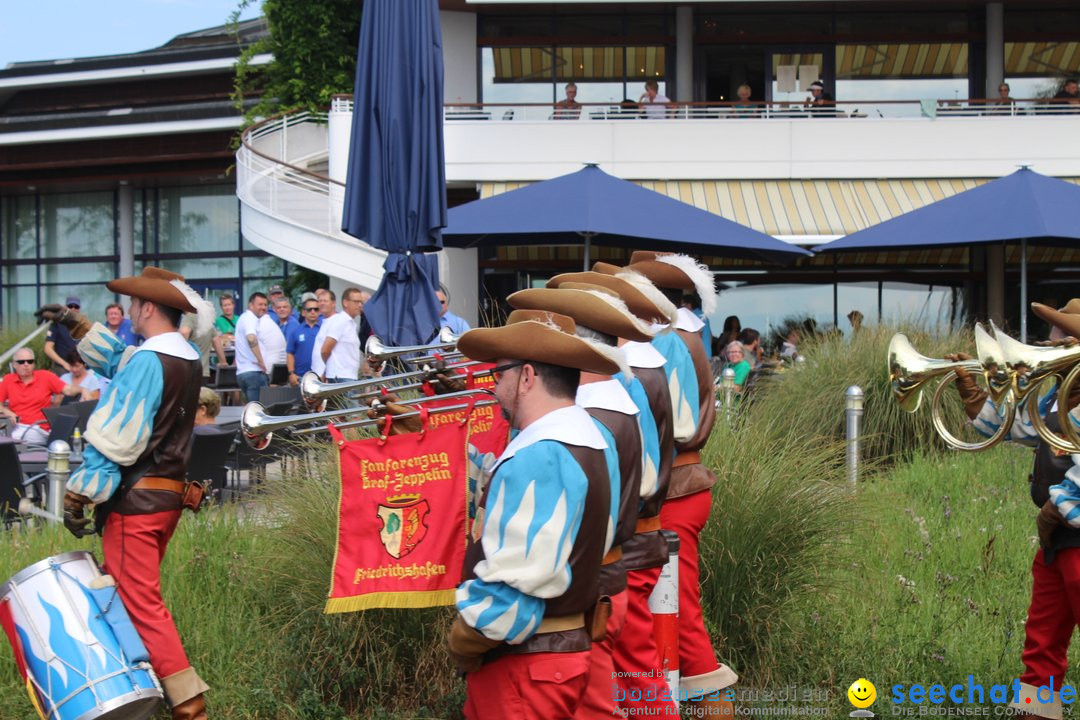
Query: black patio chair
x=210 y=449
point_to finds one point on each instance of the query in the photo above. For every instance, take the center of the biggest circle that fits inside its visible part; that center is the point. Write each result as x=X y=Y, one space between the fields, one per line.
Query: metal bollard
x=727 y=383
x=664 y=606
x=58 y=470
x=799 y=361
x=853 y=412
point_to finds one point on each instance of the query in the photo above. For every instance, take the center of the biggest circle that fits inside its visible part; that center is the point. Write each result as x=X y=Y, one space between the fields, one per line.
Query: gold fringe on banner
x=370 y=601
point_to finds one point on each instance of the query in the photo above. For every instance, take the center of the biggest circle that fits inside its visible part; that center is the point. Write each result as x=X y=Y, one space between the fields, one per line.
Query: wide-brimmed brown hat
x=539 y=335
x=156 y=285
x=592 y=306
x=677 y=272
x=637 y=301
x=1067 y=319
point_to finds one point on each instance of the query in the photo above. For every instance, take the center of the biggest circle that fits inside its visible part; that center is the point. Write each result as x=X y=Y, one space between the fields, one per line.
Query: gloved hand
x=76 y=323
x=973 y=396
x=467 y=646
x=445 y=382
x=1047 y=521
x=75 y=519
x=1066 y=341
x=388 y=405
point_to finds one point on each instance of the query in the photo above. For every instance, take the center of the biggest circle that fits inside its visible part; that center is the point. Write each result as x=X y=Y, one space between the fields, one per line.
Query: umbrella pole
x=588 y=238
x=1023 y=290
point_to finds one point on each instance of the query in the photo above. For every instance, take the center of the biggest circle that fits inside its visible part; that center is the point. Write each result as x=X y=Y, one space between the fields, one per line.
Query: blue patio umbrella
x=1024 y=206
x=395 y=190
x=592 y=207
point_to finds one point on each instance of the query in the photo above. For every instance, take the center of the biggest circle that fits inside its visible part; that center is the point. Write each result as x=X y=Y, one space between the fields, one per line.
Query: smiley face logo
x=862 y=693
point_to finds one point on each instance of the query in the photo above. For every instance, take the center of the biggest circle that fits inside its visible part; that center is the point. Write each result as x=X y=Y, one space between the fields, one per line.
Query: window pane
x=516 y=75
x=198 y=219
x=268 y=266
x=204 y=267
x=138 y=211
x=77 y=225
x=949 y=90
x=74 y=272
x=19 y=306
x=20 y=274
x=17 y=228
x=94 y=297
x=907 y=60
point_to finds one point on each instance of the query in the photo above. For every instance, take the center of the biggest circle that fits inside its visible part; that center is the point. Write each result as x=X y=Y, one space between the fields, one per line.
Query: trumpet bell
x=1032 y=364
x=910 y=371
x=253 y=420
x=376 y=350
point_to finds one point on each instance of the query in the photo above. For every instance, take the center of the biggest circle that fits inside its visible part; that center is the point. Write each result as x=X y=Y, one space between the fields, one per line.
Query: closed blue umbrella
x=1024 y=206
x=395 y=190
x=592 y=207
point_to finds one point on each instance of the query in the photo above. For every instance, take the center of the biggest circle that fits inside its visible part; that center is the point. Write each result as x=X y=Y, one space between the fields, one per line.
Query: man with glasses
x=340 y=349
x=456 y=323
x=27 y=392
x=302 y=340
x=535 y=548
x=58 y=341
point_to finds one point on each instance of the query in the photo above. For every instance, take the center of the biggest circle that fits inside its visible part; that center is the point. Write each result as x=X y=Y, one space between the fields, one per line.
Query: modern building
x=110 y=163
x=90 y=185
x=911 y=124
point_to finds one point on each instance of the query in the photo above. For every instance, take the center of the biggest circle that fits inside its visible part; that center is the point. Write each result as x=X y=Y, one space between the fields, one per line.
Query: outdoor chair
x=14 y=484
x=209 y=453
x=281 y=398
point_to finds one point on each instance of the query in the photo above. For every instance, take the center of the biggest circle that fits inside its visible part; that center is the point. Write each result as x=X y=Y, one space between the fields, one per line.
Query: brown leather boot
x=193 y=709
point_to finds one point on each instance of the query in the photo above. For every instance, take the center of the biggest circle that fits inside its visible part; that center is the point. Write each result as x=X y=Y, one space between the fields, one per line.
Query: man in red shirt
x=27 y=392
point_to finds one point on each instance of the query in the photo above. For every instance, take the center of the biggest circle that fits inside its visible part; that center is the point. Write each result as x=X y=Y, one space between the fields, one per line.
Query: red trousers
x=134 y=546
x=540 y=686
x=1054 y=613
x=687 y=517
x=635 y=659
x=599 y=698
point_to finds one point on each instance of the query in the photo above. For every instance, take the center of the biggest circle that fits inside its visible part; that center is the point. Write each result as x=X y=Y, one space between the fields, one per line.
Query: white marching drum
x=74 y=644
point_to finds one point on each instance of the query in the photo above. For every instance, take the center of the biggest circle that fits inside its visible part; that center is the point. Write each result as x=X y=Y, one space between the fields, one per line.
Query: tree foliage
x=314 y=47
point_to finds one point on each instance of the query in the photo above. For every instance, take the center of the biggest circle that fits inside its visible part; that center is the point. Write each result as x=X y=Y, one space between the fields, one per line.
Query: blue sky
x=55 y=29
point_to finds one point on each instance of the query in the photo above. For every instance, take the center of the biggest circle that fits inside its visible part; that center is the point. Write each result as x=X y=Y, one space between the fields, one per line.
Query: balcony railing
x=753 y=110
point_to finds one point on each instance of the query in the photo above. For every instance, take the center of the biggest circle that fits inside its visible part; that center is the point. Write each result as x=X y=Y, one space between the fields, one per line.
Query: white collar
x=606 y=395
x=570 y=425
x=170 y=343
x=642 y=355
x=688 y=321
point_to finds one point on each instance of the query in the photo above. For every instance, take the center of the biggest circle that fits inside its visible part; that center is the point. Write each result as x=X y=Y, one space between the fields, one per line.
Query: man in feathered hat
x=637 y=669
x=135 y=464
x=1055 y=490
x=689 y=499
x=533 y=559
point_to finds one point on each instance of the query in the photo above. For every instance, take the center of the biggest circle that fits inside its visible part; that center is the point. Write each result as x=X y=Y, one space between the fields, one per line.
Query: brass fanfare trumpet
x=375 y=350
x=910 y=372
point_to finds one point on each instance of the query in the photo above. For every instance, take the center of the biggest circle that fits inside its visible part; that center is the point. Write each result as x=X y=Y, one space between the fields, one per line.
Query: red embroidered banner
x=401 y=520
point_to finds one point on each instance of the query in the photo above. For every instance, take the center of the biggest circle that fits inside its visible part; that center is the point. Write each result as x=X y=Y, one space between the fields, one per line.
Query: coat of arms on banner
x=404 y=524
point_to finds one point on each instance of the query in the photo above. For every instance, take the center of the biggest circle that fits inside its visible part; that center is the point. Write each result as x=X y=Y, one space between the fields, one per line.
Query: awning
x=579 y=64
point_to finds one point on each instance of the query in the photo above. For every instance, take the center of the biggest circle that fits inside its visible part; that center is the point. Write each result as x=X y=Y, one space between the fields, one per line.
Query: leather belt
x=688 y=457
x=613 y=555
x=561 y=623
x=645 y=525
x=160 y=483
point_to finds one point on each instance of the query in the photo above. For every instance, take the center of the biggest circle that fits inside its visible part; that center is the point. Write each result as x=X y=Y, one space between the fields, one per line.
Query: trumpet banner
x=401 y=520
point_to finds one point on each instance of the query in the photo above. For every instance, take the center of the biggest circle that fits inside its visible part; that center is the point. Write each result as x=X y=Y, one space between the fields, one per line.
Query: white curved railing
x=292 y=211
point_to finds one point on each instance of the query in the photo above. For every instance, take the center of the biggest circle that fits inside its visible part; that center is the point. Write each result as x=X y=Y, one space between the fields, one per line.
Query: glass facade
x=53 y=245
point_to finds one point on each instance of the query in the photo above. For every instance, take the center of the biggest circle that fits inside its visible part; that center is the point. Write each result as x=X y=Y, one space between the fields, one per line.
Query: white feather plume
x=617 y=302
x=612 y=353
x=701 y=276
x=204 y=311
x=650 y=291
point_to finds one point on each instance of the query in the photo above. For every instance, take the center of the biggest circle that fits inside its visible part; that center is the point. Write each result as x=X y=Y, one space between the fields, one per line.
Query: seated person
x=735 y=358
x=90 y=384
x=751 y=342
x=27 y=392
x=568 y=108
x=207 y=411
x=744 y=105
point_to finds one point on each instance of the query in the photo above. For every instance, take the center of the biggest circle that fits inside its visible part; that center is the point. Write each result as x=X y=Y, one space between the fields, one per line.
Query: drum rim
x=31 y=570
x=116 y=703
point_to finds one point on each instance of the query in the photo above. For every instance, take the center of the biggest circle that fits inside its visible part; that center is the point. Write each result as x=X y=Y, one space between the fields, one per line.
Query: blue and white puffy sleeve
x=682 y=383
x=103 y=351
x=1022 y=431
x=650 y=439
x=119 y=429
x=534 y=508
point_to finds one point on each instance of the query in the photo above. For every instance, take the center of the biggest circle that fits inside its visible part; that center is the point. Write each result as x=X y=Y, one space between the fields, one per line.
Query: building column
x=125 y=228
x=995 y=47
x=995 y=284
x=684 y=54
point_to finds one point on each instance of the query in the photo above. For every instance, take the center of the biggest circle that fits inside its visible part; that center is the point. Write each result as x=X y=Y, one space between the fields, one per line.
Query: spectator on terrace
x=89 y=383
x=735 y=358
x=27 y=392
x=790 y=348
x=820 y=102
x=568 y=108
x=302 y=340
x=119 y=325
x=285 y=319
x=209 y=407
x=732 y=328
x=275 y=293
x=457 y=324
x=744 y=105
x=654 y=106
x=751 y=342
x=692 y=302
x=1002 y=104
x=58 y=341
x=1069 y=95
